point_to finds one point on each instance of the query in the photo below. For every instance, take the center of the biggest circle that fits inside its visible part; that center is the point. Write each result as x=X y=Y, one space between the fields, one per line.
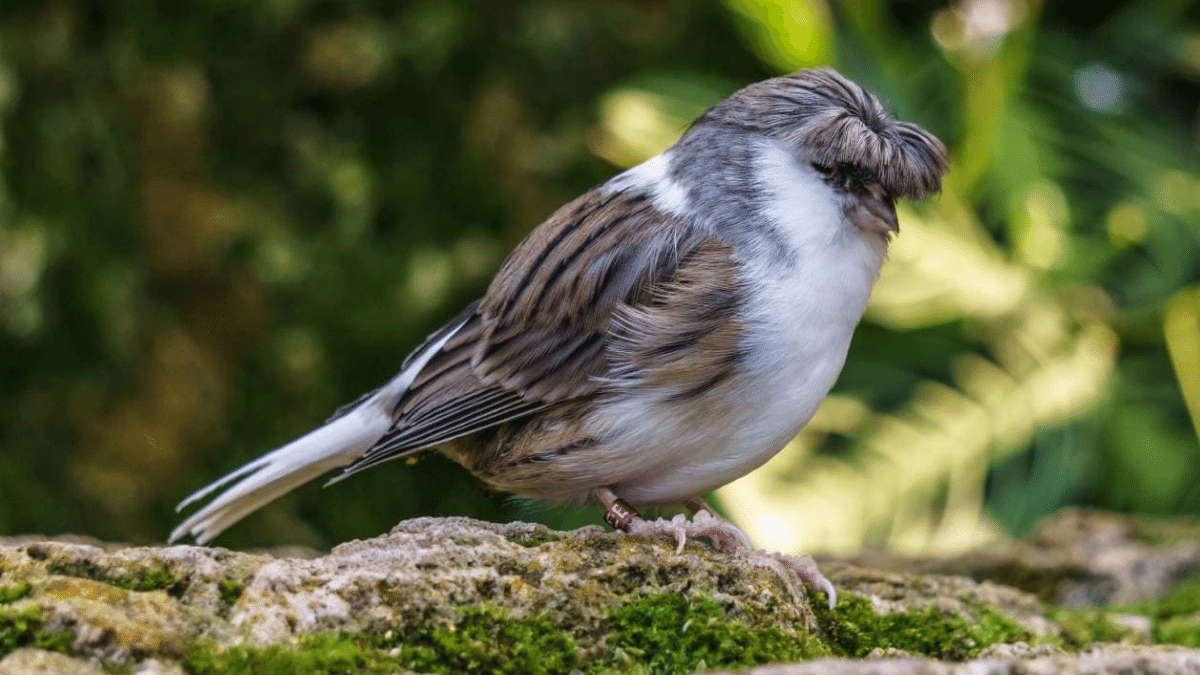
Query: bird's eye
x=822 y=168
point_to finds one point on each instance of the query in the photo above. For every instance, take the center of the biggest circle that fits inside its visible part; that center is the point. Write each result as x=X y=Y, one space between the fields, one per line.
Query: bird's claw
x=727 y=538
x=804 y=568
x=724 y=535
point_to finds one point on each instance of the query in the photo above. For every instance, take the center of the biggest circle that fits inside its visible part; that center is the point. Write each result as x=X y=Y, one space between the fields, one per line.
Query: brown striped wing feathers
x=539 y=335
x=547 y=313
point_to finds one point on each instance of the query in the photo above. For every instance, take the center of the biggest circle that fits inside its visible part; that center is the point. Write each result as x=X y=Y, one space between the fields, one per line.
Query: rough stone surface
x=899 y=591
x=1116 y=660
x=141 y=609
x=29 y=661
x=427 y=568
x=1081 y=557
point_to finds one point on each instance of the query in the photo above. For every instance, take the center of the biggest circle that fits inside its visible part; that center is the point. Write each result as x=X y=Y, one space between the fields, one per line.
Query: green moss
x=656 y=634
x=1179 y=630
x=1174 y=619
x=13 y=593
x=1082 y=627
x=317 y=656
x=485 y=640
x=1182 y=600
x=1176 y=616
x=230 y=590
x=152 y=579
x=671 y=634
x=26 y=629
x=82 y=569
x=853 y=629
x=534 y=540
x=148 y=579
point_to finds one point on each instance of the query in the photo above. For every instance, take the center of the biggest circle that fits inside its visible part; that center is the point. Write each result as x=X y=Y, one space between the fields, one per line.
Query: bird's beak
x=873 y=212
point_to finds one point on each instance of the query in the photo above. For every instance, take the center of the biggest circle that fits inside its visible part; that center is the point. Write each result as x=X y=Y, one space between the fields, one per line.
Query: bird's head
x=840 y=128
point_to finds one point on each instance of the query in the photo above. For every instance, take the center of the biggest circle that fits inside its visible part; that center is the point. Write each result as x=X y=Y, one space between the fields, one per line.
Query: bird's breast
x=803 y=297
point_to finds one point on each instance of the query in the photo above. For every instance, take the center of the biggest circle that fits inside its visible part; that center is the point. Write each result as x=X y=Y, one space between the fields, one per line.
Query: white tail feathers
x=341 y=441
x=334 y=445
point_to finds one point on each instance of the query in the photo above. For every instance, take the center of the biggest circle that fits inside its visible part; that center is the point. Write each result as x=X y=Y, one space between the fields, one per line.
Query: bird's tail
x=344 y=438
x=338 y=443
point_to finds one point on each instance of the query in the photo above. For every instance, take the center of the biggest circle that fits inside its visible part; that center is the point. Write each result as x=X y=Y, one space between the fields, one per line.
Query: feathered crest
x=834 y=121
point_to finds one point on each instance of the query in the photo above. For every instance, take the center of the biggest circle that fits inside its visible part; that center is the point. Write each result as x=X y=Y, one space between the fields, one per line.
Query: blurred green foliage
x=221 y=220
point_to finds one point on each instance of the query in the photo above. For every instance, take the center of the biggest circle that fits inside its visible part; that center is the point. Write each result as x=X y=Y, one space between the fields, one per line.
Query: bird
x=665 y=333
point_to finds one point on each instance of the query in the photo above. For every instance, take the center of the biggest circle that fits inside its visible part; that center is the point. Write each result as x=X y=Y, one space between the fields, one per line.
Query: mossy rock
x=463 y=596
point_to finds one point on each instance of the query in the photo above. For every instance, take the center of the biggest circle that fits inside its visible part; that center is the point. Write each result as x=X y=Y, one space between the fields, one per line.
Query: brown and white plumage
x=664 y=333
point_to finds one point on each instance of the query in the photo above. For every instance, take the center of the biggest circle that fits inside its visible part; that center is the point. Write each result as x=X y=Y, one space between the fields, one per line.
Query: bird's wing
x=538 y=336
x=548 y=311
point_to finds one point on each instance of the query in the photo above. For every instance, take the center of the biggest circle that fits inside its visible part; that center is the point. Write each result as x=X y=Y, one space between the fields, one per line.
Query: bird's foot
x=726 y=537
x=803 y=567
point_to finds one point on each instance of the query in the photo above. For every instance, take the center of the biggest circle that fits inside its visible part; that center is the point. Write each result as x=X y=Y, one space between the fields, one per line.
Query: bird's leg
x=726 y=536
x=621 y=516
x=617 y=512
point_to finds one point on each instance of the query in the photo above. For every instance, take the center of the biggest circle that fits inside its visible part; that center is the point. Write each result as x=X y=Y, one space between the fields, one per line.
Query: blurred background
x=221 y=220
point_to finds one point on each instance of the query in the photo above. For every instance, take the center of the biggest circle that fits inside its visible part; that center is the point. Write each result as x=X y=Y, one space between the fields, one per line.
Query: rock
x=1104 y=661
x=28 y=661
x=1081 y=557
x=458 y=595
x=427 y=569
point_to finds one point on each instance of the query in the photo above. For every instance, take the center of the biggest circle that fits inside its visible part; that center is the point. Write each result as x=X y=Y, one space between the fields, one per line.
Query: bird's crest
x=833 y=121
